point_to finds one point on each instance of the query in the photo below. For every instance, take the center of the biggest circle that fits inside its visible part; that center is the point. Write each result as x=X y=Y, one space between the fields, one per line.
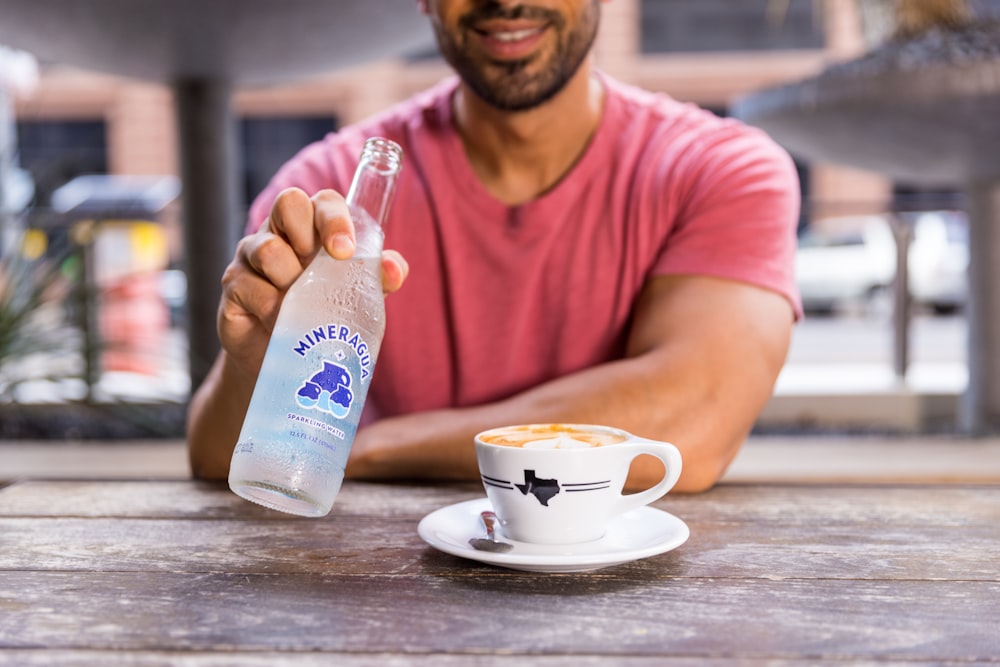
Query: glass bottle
x=312 y=386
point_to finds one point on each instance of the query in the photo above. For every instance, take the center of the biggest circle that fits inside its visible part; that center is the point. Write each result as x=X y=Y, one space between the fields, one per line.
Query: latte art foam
x=561 y=441
x=552 y=436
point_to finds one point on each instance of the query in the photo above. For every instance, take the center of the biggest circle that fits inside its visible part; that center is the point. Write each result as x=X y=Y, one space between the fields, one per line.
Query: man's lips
x=510 y=40
x=514 y=35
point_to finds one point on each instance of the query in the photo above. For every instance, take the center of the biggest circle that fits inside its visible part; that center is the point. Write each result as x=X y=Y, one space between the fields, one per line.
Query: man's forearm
x=215 y=416
x=628 y=394
x=702 y=361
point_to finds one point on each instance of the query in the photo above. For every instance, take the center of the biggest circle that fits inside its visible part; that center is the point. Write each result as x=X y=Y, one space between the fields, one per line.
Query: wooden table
x=146 y=572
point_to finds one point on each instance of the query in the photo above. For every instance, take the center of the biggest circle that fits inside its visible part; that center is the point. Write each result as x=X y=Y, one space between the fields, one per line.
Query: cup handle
x=670 y=456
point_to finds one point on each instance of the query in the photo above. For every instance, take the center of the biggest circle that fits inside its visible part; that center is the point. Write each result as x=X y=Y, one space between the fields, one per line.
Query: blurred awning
x=243 y=41
x=922 y=111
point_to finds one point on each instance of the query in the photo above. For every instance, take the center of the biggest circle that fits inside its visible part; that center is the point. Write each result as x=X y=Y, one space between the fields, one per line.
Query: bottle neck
x=374 y=183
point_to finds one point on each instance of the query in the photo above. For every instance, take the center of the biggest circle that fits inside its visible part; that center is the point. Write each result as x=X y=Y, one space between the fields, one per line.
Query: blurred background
x=97 y=330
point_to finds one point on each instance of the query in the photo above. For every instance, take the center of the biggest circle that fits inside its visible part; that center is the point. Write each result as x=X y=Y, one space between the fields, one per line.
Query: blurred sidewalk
x=866 y=396
x=839 y=376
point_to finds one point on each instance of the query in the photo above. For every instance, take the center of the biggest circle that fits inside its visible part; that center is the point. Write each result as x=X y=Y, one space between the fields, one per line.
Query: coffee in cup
x=552 y=436
x=562 y=483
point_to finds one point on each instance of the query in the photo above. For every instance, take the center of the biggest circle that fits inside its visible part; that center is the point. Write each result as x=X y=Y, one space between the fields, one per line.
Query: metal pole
x=89 y=300
x=208 y=160
x=902 y=303
x=980 y=410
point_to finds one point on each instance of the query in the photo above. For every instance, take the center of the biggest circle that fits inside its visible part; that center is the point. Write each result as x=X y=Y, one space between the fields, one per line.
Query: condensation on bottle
x=312 y=386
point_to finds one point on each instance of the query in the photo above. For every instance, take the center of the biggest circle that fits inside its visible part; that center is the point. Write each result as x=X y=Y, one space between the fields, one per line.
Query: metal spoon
x=490 y=542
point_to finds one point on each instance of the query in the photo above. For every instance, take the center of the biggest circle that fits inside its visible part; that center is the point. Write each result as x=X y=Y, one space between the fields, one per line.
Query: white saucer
x=639 y=533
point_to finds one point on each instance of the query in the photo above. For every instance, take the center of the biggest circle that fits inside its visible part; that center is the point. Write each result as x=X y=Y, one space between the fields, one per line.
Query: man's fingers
x=332 y=220
x=395 y=269
x=269 y=256
x=296 y=226
x=292 y=219
x=248 y=295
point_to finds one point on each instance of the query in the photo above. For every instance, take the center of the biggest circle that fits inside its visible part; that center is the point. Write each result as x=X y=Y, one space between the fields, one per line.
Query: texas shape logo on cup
x=562 y=483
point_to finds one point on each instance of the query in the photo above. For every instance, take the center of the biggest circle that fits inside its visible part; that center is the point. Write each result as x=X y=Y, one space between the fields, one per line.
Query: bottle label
x=330 y=386
x=337 y=332
x=306 y=406
x=329 y=390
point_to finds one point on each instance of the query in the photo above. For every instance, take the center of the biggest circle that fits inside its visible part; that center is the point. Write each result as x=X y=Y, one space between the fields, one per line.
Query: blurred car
x=939 y=261
x=852 y=269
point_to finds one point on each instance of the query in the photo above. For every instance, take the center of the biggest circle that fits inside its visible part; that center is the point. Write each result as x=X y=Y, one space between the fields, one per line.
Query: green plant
x=35 y=343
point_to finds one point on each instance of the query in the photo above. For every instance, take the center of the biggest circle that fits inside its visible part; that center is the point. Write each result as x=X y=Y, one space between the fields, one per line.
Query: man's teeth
x=515 y=35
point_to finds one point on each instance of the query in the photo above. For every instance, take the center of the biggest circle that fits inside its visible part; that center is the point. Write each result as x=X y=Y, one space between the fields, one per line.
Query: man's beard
x=510 y=85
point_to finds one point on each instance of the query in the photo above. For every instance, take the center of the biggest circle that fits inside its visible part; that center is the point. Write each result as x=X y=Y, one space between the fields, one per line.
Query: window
x=56 y=151
x=268 y=143
x=676 y=26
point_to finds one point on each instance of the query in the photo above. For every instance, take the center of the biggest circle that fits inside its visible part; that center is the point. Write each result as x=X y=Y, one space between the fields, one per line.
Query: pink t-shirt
x=501 y=298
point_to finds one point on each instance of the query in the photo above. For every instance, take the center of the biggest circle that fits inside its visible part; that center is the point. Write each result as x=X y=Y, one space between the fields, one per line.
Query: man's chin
x=514 y=92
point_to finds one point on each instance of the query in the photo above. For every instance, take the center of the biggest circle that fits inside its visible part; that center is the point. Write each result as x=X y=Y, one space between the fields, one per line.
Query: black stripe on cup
x=501 y=483
x=587 y=486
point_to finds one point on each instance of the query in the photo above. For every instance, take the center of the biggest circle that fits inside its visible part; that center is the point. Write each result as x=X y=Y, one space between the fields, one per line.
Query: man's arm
x=702 y=359
x=215 y=416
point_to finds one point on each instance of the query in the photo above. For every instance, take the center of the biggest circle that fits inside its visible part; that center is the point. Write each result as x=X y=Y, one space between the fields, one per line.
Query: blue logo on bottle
x=334 y=332
x=328 y=391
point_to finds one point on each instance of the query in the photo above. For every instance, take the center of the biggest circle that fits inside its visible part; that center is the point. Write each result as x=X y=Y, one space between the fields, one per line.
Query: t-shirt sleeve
x=739 y=214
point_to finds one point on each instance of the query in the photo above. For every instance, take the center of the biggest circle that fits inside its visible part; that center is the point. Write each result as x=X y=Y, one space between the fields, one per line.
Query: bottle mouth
x=385 y=154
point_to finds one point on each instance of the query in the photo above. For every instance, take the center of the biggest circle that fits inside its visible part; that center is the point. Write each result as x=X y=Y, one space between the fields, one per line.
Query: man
x=576 y=250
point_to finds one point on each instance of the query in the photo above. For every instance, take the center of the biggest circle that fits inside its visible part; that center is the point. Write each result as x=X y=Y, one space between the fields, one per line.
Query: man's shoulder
x=689 y=135
x=665 y=117
x=635 y=103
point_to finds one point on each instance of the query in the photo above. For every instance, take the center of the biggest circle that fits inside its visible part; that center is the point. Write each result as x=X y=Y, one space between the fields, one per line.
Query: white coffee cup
x=562 y=483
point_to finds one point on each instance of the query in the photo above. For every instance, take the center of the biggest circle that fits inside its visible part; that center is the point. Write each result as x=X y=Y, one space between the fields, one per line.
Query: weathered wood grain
x=773 y=574
x=544 y=614
x=776 y=532
x=45 y=658
x=366 y=545
x=207 y=500
x=951 y=505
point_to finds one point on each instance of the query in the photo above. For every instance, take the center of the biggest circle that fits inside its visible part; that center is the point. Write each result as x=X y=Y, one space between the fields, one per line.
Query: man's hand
x=268 y=262
x=264 y=267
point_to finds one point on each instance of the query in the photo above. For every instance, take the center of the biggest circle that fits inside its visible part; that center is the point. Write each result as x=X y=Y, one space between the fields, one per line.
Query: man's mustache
x=495 y=10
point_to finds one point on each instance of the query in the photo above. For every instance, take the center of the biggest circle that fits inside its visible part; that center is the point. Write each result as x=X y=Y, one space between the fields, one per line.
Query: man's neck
x=518 y=156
